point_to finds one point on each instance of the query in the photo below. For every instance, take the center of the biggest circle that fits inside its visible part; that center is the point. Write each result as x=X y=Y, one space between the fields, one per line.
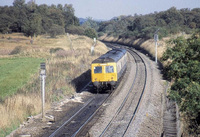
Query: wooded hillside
x=32 y=19
x=172 y=21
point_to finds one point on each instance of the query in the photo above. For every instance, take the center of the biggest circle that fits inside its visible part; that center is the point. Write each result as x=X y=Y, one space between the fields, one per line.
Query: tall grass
x=62 y=66
x=16 y=109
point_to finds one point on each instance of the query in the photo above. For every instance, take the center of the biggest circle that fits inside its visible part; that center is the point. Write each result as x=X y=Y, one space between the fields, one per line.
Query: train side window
x=97 y=69
x=109 y=69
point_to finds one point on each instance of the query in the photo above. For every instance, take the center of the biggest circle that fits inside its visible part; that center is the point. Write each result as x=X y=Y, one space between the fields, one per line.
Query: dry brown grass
x=17 y=108
x=62 y=67
x=148 y=45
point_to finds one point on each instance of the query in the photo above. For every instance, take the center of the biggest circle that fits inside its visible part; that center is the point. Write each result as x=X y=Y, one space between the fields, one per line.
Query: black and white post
x=43 y=76
x=156 y=44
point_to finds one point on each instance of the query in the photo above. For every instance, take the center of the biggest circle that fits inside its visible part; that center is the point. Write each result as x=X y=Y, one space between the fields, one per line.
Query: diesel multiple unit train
x=108 y=68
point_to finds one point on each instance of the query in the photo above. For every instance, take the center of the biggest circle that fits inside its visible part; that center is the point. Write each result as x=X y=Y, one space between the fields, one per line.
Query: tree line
x=32 y=19
x=172 y=21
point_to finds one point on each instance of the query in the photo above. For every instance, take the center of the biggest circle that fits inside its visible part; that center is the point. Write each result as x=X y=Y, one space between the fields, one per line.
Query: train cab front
x=103 y=75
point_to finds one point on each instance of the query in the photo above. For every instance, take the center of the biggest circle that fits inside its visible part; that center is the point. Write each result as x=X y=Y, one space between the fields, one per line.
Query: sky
x=107 y=9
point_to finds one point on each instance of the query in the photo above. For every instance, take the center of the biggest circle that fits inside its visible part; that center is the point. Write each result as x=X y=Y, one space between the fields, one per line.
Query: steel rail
x=85 y=105
x=123 y=103
x=134 y=113
x=66 y=122
x=86 y=122
x=81 y=128
x=90 y=118
x=140 y=98
x=93 y=114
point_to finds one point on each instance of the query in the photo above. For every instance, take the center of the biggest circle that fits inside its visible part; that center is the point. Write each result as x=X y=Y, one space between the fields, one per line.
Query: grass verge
x=15 y=73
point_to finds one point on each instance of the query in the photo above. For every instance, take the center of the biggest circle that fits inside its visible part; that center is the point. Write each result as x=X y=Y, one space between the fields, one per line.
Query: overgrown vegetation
x=90 y=32
x=20 y=82
x=183 y=67
x=172 y=21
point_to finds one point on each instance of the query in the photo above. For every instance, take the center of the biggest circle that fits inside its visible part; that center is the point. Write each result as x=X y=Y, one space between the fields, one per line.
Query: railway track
x=81 y=117
x=115 y=114
x=126 y=112
x=73 y=125
x=81 y=122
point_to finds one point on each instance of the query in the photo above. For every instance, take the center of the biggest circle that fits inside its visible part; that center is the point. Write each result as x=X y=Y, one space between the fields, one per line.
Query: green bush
x=100 y=34
x=75 y=30
x=91 y=33
x=185 y=71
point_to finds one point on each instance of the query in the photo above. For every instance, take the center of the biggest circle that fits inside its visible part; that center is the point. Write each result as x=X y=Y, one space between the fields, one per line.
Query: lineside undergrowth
x=65 y=61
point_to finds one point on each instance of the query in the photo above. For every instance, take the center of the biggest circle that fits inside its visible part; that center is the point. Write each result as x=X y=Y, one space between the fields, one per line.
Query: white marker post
x=156 y=44
x=92 y=48
x=95 y=40
x=43 y=76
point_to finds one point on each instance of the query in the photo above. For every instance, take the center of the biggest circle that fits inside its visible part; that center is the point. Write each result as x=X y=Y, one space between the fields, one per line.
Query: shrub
x=16 y=50
x=54 y=50
x=185 y=71
x=63 y=53
x=100 y=34
x=56 y=30
x=75 y=30
x=91 y=33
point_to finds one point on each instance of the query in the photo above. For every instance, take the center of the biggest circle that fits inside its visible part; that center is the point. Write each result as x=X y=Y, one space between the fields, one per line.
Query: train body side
x=121 y=65
x=107 y=69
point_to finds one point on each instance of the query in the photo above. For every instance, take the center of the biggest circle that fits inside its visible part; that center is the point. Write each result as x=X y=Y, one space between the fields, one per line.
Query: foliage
x=32 y=19
x=75 y=30
x=100 y=34
x=90 y=23
x=172 y=21
x=18 y=3
x=184 y=69
x=56 y=30
x=91 y=33
x=32 y=26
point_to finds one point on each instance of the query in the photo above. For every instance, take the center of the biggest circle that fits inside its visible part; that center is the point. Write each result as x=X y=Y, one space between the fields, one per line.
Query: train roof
x=111 y=56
